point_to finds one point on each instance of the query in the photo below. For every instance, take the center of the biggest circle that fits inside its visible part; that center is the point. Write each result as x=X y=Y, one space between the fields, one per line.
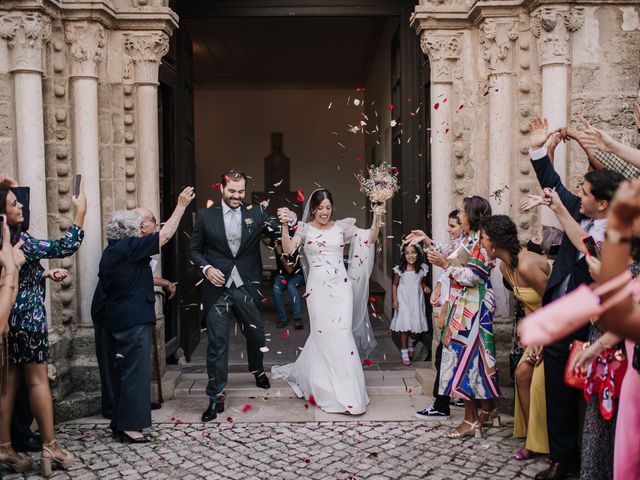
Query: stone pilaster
x=85 y=42
x=444 y=51
x=497 y=38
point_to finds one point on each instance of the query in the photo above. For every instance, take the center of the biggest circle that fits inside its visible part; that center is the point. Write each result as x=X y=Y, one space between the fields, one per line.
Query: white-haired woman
x=128 y=310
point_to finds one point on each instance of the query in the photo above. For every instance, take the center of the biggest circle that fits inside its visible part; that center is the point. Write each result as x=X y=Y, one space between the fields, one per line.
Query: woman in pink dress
x=624 y=319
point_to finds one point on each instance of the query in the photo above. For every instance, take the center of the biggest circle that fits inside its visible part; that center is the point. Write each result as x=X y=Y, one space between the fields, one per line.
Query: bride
x=328 y=371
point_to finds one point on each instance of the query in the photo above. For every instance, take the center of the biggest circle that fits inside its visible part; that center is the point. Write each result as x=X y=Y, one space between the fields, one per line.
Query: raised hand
x=284 y=215
x=56 y=274
x=18 y=254
x=80 y=202
x=538 y=132
x=530 y=202
x=552 y=143
x=594 y=266
x=437 y=259
x=594 y=138
x=186 y=197
x=551 y=198
x=379 y=210
x=625 y=206
x=7 y=181
x=416 y=237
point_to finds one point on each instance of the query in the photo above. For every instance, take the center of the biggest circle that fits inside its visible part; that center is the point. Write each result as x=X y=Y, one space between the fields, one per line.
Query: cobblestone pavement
x=341 y=450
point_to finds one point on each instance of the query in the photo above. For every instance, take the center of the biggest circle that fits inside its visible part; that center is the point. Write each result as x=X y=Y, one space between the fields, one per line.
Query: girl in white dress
x=409 y=287
x=328 y=371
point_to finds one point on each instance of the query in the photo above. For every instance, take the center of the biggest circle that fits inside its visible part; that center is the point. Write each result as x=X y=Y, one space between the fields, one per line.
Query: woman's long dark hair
x=14 y=229
x=317 y=198
x=403 y=259
x=477 y=209
x=502 y=233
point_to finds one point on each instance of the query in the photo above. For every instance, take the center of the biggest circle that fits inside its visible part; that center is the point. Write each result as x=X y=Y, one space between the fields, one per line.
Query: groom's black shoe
x=212 y=410
x=262 y=381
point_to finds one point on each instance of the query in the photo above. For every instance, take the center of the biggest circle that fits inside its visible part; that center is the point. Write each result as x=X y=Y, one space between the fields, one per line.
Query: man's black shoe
x=156 y=405
x=262 y=381
x=210 y=413
x=558 y=471
x=30 y=444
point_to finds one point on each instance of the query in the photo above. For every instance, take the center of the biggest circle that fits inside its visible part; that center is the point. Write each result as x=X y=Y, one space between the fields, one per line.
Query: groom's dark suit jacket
x=209 y=246
x=567 y=262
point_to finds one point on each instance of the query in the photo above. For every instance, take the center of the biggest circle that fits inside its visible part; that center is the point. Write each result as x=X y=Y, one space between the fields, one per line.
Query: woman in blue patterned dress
x=27 y=340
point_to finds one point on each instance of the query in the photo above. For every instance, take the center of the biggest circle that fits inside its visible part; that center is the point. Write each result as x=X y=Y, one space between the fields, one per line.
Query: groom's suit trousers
x=239 y=303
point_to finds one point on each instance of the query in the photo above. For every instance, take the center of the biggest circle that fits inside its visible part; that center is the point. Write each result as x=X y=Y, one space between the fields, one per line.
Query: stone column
x=496 y=39
x=27 y=33
x=86 y=41
x=551 y=26
x=443 y=50
x=146 y=50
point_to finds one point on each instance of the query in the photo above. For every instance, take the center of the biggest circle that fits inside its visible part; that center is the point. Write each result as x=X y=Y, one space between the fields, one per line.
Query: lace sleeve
x=299 y=236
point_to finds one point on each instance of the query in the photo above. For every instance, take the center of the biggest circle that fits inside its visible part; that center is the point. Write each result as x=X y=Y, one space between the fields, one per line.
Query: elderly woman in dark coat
x=128 y=310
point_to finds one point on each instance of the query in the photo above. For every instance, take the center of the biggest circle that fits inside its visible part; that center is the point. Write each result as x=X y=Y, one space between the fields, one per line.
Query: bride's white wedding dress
x=329 y=368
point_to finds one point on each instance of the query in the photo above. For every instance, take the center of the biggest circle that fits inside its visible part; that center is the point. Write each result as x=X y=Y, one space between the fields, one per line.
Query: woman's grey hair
x=551 y=236
x=124 y=223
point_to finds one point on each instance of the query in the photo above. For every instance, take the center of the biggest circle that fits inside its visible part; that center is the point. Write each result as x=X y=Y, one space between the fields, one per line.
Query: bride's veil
x=361 y=256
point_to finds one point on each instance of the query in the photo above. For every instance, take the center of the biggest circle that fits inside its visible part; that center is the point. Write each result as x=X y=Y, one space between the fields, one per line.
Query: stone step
x=242 y=385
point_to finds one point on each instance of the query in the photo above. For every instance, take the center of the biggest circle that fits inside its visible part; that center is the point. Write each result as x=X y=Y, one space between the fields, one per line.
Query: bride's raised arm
x=378 y=212
x=288 y=244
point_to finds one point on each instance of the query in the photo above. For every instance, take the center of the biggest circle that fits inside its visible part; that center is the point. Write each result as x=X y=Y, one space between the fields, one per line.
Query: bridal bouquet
x=381 y=184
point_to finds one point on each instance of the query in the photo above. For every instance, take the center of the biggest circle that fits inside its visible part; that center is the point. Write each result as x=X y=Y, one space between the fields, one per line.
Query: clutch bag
x=460 y=256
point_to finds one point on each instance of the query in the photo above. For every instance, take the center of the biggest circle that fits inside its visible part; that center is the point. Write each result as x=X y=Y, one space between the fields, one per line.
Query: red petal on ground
x=461 y=106
x=367 y=362
x=312 y=400
x=229 y=419
x=246 y=408
x=436 y=106
x=306 y=460
x=444 y=100
x=446 y=130
x=306 y=407
x=284 y=334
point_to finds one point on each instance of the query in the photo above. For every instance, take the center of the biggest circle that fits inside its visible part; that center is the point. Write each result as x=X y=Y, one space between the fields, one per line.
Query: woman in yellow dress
x=527 y=273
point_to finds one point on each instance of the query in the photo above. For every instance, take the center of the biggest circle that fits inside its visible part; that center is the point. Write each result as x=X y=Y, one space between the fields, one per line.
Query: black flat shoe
x=30 y=444
x=558 y=471
x=124 y=437
x=156 y=405
x=298 y=324
x=212 y=411
x=262 y=381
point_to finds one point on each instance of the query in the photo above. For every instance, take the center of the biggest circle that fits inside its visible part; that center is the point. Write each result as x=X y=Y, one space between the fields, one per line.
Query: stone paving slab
x=313 y=450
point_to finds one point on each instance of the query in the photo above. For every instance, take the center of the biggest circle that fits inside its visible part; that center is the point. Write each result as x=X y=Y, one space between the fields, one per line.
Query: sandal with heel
x=47 y=458
x=493 y=415
x=12 y=460
x=475 y=430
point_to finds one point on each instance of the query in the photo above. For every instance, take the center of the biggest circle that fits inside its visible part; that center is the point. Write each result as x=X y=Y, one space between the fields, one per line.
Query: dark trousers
x=132 y=378
x=105 y=354
x=22 y=416
x=238 y=302
x=563 y=402
x=442 y=401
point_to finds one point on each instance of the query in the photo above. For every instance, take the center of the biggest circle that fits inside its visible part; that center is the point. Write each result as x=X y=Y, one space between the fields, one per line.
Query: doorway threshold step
x=243 y=385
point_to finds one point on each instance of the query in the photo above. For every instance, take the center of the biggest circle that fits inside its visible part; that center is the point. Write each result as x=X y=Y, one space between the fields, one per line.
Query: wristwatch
x=616 y=237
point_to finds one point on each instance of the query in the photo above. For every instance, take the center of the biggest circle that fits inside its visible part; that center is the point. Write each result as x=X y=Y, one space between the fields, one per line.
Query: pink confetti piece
x=367 y=362
x=246 y=408
x=390 y=106
x=300 y=196
x=306 y=460
x=284 y=282
x=444 y=100
x=285 y=334
x=436 y=106
x=229 y=419
x=312 y=400
x=216 y=185
x=461 y=106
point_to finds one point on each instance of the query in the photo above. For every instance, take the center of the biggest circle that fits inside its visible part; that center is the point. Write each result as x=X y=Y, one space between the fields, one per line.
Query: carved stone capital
x=443 y=52
x=552 y=26
x=496 y=38
x=26 y=34
x=146 y=50
x=86 y=44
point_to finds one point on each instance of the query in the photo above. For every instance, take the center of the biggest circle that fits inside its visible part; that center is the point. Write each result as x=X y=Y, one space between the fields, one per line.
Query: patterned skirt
x=28 y=347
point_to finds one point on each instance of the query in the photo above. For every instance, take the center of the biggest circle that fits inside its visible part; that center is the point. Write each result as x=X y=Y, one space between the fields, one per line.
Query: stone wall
x=72 y=79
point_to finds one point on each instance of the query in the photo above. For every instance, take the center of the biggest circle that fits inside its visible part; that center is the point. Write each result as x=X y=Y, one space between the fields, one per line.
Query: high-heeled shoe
x=47 y=457
x=475 y=429
x=12 y=460
x=493 y=415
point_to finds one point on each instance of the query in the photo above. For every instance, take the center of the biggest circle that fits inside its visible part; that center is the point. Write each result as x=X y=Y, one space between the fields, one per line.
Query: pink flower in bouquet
x=381 y=184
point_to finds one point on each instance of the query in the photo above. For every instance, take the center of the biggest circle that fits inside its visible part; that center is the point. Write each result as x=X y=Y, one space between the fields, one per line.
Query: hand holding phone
x=590 y=246
x=78 y=182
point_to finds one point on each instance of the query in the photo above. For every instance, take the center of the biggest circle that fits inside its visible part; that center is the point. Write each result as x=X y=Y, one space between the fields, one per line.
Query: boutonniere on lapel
x=248 y=222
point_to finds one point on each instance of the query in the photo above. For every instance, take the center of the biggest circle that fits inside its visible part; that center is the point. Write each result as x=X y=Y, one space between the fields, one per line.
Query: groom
x=225 y=245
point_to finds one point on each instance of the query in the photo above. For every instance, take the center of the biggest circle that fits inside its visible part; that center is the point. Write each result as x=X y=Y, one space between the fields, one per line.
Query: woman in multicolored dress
x=28 y=340
x=468 y=369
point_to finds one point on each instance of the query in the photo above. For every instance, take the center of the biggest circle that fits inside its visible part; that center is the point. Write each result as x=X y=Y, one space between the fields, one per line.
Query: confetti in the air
x=436 y=106
x=215 y=186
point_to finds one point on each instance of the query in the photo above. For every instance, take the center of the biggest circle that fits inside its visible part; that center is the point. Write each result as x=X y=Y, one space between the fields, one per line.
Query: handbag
x=603 y=377
x=460 y=256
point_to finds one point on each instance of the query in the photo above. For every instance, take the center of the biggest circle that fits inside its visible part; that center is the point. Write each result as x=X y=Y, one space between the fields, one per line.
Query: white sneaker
x=406 y=361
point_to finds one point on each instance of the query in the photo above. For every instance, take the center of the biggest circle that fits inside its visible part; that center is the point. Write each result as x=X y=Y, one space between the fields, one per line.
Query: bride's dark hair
x=317 y=198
